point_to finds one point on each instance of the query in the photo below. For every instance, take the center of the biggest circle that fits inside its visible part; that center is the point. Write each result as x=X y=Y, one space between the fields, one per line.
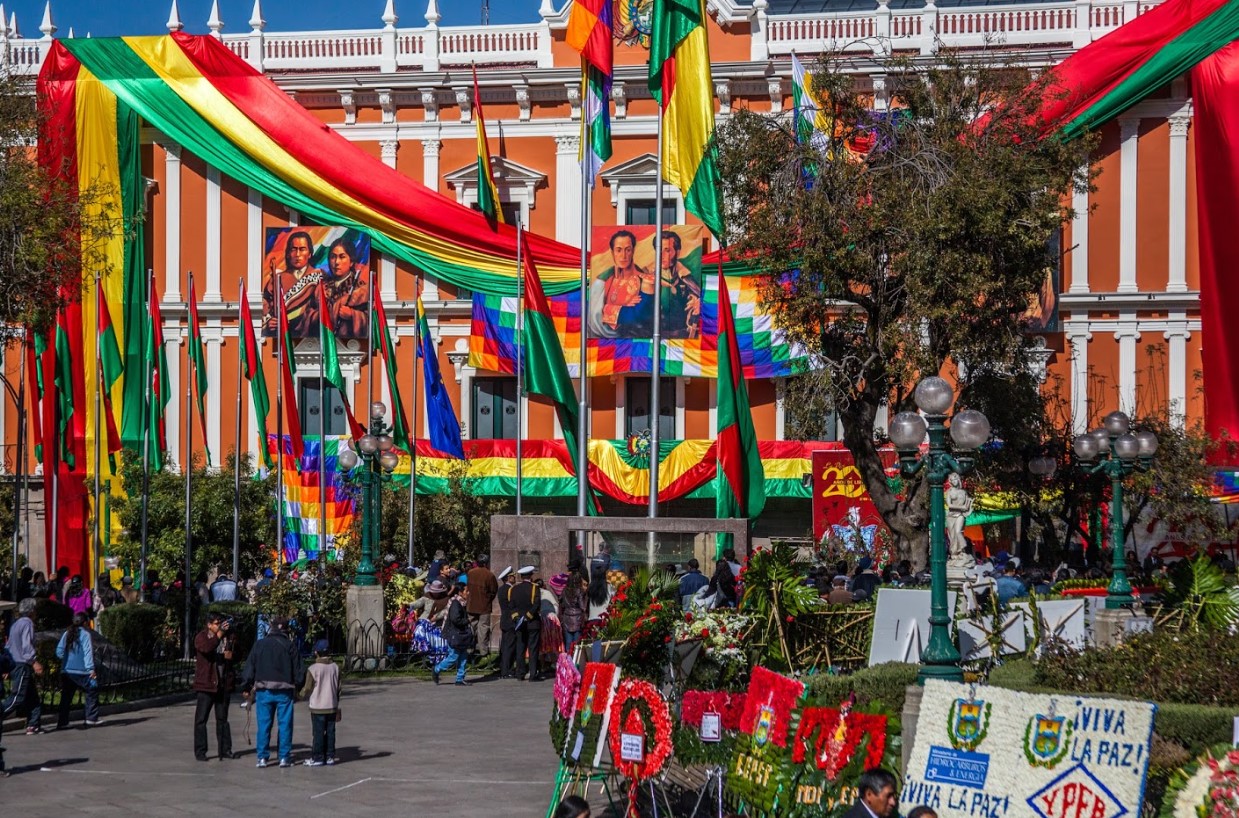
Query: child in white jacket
x=322 y=688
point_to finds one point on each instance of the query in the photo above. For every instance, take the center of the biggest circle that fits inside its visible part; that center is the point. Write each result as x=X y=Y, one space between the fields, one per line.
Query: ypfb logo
x=765 y=721
x=1046 y=739
x=1076 y=794
x=968 y=723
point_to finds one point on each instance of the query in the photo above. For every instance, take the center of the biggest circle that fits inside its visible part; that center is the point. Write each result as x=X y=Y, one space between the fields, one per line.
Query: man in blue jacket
x=271 y=676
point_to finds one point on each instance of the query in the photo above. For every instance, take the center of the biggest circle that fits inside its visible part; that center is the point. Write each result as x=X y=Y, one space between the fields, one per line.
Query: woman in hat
x=552 y=643
x=428 y=631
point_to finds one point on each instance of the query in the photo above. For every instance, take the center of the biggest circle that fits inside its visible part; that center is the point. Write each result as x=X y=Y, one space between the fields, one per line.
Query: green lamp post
x=374 y=454
x=1118 y=452
x=969 y=430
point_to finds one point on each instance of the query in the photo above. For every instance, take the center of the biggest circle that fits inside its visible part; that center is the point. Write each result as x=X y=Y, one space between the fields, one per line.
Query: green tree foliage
x=49 y=230
x=211 y=520
x=925 y=250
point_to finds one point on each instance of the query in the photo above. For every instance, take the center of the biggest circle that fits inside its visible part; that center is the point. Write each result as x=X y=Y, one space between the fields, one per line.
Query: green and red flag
x=288 y=383
x=197 y=359
x=381 y=339
x=488 y=194
x=331 y=363
x=63 y=384
x=546 y=371
x=251 y=366
x=680 y=80
x=111 y=367
x=589 y=32
x=159 y=386
x=36 y=345
x=741 y=478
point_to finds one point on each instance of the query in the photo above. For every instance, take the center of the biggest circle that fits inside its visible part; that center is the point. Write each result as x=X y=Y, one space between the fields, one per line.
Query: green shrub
x=1195 y=726
x=1018 y=674
x=878 y=688
x=135 y=628
x=244 y=624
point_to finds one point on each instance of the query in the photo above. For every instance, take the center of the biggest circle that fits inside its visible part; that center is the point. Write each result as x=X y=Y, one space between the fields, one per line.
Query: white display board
x=1062 y=620
x=982 y=752
x=975 y=637
x=901 y=625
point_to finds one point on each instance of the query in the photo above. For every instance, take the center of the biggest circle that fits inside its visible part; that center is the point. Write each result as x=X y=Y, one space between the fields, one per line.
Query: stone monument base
x=1112 y=625
x=367 y=638
x=956 y=572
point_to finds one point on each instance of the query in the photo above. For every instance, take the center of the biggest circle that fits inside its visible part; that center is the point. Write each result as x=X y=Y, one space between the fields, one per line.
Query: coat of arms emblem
x=968 y=723
x=765 y=721
x=1046 y=740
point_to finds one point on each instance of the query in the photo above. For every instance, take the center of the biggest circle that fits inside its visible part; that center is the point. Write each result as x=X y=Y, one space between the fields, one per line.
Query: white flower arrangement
x=720 y=632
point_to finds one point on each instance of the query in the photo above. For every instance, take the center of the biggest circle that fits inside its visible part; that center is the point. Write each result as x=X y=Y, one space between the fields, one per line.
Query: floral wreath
x=840 y=734
x=1205 y=786
x=639 y=708
x=768 y=706
x=567 y=685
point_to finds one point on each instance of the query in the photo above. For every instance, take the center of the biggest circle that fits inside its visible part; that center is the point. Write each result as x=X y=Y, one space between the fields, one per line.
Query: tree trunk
x=908 y=519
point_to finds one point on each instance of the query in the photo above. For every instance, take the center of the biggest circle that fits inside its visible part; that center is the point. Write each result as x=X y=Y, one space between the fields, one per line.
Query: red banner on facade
x=839 y=492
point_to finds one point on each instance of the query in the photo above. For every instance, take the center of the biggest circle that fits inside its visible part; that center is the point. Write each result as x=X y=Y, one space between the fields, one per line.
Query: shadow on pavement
x=347 y=755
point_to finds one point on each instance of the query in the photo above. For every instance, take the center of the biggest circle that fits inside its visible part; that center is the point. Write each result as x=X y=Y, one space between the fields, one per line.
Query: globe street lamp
x=969 y=430
x=378 y=461
x=1117 y=452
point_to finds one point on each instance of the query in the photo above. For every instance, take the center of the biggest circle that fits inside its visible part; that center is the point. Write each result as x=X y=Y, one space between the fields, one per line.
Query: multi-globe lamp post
x=1115 y=451
x=378 y=460
x=969 y=430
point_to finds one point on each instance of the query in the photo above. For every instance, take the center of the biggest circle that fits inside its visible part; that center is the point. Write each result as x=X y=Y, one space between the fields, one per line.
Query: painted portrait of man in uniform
x=301 y=257
x=622 y=274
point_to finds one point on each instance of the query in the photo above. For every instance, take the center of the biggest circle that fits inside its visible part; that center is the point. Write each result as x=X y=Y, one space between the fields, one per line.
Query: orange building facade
x=1128 y=330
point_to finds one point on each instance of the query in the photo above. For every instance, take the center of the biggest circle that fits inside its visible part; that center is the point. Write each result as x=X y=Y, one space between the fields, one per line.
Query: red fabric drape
x=1215 y=97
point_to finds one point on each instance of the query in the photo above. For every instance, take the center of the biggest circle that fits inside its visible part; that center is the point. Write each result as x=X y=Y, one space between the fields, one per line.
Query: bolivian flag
x=680 y=81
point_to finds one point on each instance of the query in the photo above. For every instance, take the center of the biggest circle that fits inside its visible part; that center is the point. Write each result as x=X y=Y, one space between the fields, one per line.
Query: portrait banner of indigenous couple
x=297 y=258
x=621 y=282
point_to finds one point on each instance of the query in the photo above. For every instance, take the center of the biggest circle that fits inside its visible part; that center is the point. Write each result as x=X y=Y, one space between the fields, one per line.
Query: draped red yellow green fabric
x=219 y=108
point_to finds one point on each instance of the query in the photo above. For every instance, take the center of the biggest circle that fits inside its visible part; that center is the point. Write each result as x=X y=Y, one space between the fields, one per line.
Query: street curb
x=18 y=723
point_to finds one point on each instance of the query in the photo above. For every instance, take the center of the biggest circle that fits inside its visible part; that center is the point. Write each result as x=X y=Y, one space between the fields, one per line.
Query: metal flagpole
x=149 y=411
x=279 y=422
x=656 y=343
x=417 y=345
x=322 y=436
x=520 y=369
x=582 y=443
x=236 y=451
x=94 y=554
x=370 y=355
x=188 y=466
x=18 y=492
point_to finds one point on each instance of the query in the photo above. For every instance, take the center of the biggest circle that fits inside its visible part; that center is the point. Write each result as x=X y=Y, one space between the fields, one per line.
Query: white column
x=780 y=408
x=213 y=337
x=387 y=268
x=1177 y=282
x=172 y=418
x=1078 y=337
x=568 y=180
x=430 y=175
x=1129 y=130
x=1127 y=334
x=1079 y=240
x=621 y=409
x=713 y=407
x=213 y=237
x=253 y=245
x=680 y=384
x=172 y=228
x=1176 y=367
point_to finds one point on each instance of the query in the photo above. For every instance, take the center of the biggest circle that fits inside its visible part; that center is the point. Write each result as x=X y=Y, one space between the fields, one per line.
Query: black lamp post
x=378 y=461
x=1117 y=452
x=969 y=430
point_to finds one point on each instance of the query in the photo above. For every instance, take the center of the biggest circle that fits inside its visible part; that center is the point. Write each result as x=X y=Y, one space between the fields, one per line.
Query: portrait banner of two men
x=622 y=271
x=301 y=257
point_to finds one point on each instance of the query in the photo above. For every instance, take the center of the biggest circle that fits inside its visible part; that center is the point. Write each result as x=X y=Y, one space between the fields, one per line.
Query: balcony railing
x=1069 y=23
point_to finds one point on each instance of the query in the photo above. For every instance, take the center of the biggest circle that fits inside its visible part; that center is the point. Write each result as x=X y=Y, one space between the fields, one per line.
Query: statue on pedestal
x=958 y=507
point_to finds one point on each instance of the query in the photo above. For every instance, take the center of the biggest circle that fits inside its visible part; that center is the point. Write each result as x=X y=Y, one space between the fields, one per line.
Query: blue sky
x=113 y=18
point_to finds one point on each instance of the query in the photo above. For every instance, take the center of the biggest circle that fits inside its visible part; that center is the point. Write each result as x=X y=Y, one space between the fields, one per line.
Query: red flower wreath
x=830 y=754
x=627 y=717
x=780 y=694
x=729 y=706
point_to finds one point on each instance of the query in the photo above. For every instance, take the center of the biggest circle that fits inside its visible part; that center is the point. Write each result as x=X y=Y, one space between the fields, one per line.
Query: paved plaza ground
x=405 y=747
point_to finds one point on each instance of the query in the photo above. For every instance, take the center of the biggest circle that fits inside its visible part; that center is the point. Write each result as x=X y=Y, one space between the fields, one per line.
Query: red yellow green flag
x=680 y=80
x=488 y=194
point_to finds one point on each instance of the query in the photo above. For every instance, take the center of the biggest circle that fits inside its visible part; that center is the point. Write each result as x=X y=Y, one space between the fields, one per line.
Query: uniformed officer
x=525 y=611
x=507 y=634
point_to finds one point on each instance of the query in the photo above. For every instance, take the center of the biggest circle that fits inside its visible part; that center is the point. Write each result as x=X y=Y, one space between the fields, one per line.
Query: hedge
x=50 y=615
x=882 y=687
x=135 y=627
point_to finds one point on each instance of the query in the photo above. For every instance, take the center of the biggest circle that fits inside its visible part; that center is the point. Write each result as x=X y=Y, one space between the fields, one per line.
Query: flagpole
x=147 y=369
x=236 y=451
x=656 y=343
x=370 y=353
x=417 y=345
x=19 y=493
x=94 y=556
x=188 y=465
x=279 y=422
x=582 y=443
x=520 y=369
x=55 y=500
x=322 y=429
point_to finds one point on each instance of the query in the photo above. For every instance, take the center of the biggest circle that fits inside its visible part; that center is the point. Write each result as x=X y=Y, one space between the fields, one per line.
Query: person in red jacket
x=214 y=678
